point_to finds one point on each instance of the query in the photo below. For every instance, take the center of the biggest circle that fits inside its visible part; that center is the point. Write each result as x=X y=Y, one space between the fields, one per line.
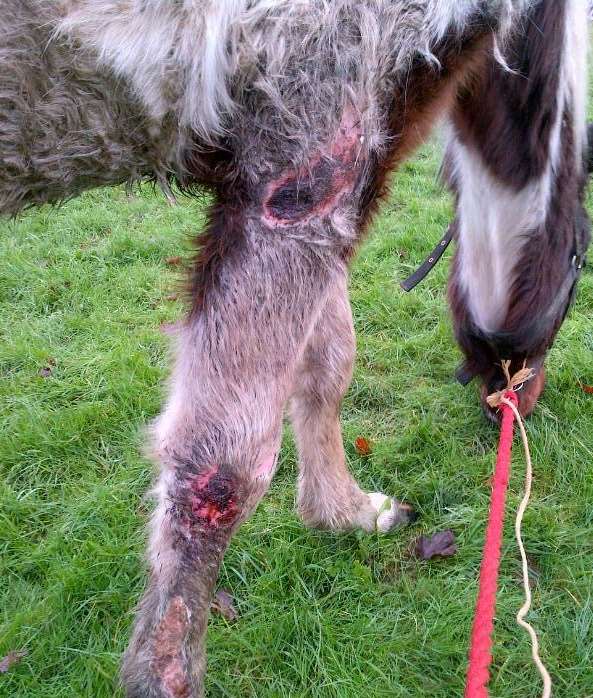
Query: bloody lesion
x=208 y=500
x=316 y=189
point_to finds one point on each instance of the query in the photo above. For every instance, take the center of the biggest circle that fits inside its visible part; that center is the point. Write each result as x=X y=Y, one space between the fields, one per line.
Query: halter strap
x=560 y=304
x=429 y=263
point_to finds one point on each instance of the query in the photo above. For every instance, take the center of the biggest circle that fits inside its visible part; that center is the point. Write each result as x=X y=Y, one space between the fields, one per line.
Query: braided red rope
x=480 y=653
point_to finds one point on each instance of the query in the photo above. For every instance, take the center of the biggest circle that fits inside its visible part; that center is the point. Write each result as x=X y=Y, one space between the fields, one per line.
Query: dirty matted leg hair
x=217 y=442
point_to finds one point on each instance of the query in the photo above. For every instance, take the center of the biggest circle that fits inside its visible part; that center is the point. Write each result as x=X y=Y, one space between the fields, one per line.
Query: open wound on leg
x=211 y=499
x=316 y=189
x=167 y=661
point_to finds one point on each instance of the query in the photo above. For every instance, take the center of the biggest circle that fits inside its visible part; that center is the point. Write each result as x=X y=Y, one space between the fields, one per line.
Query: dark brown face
x=507 y=120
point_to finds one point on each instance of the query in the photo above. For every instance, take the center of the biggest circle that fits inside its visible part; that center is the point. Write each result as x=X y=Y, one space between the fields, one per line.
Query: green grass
x=321 y=615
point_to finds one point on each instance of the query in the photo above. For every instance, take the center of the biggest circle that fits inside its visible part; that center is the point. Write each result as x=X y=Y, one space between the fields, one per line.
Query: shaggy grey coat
x=292 y=113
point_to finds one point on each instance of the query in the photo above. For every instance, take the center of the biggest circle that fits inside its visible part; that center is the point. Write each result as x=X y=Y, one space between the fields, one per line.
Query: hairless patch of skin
x=167 y=660
x=316 y=189
x=266 y=466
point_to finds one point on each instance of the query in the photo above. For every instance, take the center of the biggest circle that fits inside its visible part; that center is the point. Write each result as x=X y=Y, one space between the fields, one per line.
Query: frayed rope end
x=513 y=382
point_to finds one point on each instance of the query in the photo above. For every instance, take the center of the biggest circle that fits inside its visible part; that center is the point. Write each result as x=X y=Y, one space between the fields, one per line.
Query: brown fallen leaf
x=11 y=659
x=222 y=603
x=441 y=544
x=172 y=297
x=586 y=388
x=47 y=370
x=362 y=446
x=173 y=261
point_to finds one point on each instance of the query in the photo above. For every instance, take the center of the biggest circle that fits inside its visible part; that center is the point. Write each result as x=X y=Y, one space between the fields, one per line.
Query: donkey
x=293 y=113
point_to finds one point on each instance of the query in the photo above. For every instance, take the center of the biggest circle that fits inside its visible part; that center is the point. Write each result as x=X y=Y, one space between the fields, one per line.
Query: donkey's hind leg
x=328 y=495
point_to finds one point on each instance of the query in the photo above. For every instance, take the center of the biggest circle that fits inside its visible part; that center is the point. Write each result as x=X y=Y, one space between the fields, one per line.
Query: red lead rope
x=480 y=652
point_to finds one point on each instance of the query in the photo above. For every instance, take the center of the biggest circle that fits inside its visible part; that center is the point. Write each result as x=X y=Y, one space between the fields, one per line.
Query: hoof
x=390 y=512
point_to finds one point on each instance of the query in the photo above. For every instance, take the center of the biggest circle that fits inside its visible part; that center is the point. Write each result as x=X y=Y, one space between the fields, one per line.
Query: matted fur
x=291 y=113
x=203 y=54
x=156 y=76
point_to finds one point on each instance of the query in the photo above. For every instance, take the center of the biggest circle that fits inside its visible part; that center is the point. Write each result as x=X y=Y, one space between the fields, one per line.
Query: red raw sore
x=315 y=190
x=167 y=660
x=212 y=499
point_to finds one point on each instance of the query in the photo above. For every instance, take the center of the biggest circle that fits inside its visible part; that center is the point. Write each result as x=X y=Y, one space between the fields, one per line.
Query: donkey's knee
x=211 y=499
x=211 y=479
x=206 y=501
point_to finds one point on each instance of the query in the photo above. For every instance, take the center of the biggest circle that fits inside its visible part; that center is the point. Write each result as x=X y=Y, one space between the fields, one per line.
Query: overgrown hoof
x=391 y=513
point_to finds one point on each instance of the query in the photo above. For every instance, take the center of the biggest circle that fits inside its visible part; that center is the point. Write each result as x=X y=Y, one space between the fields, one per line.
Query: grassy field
x=83 y=292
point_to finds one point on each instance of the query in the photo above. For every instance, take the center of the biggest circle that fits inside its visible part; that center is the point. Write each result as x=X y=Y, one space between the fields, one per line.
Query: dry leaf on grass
x=586 y=388
x=173 y=261
x=222 y=603
x=47 y=370
x=441 y=544
x=362 y=446
x=11 y=659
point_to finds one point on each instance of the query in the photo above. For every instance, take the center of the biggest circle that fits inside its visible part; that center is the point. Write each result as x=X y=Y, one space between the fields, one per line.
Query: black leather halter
x=429 y=263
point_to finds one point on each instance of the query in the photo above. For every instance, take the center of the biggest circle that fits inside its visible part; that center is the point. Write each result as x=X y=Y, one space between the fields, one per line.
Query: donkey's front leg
x=200 y=504
x=217 y=442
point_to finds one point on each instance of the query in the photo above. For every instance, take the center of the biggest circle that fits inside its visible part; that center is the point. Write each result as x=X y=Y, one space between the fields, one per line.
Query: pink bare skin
x=169 y=639
x=315 y=190
x=211 y=501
